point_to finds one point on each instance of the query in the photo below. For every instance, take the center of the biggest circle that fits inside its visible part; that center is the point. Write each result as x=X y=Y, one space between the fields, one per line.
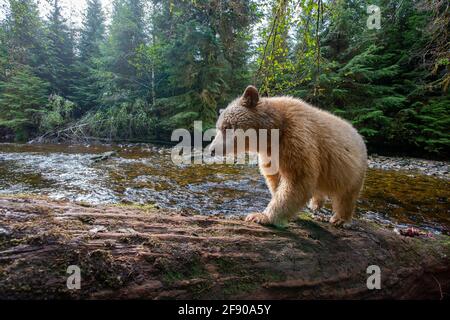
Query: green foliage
x=22 y=101
x=123 y=121
x=375 y=78
x=433 y=123
x=86 y=88
x=178 y=112
x=58 y=113
x=274 y=65
x=59 y=53
x=163 y=64
x=23 y=33
x=126 y=36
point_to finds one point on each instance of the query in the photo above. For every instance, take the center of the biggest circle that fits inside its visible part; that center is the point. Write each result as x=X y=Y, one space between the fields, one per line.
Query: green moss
x=173 y=276
x=84 y=204
x=181 y=270
x=228 y=266
x=269 y=276
x=414 y=197
x=254 y=280
x=6 y=244
x=235 y=287
x=305 y=216
x=42 y=239
x=248 y=280
x=445 y=240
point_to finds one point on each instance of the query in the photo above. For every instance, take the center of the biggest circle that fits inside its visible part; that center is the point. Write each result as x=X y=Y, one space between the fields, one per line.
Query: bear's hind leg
x=317 y=201
x=343 y=208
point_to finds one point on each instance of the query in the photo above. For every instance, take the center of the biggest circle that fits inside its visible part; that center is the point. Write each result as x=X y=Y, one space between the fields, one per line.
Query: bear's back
x=317 y=133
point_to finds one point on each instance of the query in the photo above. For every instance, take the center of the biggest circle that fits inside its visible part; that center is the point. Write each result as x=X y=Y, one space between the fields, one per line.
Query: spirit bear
x=320 y=155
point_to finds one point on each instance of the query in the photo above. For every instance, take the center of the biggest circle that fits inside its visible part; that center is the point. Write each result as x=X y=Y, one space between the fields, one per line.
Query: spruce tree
x=23 y=95
x=203 y=49
x=126 y=35
x=60 y=52
x=23 y=37
x=23 y=98
x=86 y=88
x=92 y=32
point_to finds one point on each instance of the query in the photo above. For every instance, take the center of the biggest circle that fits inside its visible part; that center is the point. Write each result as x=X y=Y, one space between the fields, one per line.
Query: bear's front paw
x=257 y=217
x=338 y=221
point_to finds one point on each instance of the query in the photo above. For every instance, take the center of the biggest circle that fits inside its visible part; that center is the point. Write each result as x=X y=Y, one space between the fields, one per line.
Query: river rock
x=104 y=156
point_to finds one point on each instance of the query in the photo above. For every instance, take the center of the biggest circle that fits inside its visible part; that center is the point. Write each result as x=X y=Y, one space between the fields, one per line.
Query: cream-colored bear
x=320 y=155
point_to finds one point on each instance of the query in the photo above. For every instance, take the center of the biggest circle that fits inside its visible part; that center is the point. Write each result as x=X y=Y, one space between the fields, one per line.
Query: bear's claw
x=257 y=217
x=337 y=221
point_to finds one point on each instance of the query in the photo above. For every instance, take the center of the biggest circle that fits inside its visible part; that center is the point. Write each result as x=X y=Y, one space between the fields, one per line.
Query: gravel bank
x=439 y=169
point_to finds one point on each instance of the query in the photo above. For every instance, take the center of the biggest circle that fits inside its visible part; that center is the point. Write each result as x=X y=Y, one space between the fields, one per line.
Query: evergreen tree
x=203 y=49
x=92 y=32
x=22 y=101
x=60 y=53
x=23 y=95
x=86 y=88
x=375 y=78
x=164 y=64
x=121 y=79
x=22 y=35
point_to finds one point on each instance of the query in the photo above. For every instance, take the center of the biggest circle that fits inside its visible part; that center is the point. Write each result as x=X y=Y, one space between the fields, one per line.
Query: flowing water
x=146 y=175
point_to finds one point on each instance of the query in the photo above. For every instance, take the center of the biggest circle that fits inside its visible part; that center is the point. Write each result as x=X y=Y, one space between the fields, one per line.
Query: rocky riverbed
x=439 y=169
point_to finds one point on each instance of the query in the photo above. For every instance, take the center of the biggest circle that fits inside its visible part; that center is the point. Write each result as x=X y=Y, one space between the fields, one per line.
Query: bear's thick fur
x=320 y=155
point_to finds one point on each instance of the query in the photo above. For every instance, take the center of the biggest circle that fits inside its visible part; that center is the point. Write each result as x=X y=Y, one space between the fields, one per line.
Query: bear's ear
x=251 y=97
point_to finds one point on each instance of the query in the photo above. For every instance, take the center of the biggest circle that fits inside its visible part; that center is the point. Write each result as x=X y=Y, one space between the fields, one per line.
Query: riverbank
x=435 y=168
x=143 y=252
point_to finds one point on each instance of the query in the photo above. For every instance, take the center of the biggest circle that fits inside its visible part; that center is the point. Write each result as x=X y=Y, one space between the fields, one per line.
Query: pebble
x=439 y=169
x=4 y=232
x=98 y=229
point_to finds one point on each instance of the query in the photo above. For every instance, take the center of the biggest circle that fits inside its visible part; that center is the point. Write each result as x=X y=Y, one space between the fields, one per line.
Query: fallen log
x=128 y=252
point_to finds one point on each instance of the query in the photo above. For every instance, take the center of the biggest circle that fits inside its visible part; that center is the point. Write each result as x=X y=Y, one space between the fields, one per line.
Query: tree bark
x=128 y=252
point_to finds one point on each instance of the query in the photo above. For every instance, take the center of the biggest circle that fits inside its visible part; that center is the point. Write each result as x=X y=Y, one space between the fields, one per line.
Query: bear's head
x=242 y=121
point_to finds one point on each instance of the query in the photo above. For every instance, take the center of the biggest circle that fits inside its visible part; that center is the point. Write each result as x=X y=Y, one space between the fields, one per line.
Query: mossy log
x=128 y=252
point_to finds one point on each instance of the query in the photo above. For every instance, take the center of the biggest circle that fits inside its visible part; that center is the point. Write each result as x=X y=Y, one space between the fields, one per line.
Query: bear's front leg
x=289 y=197
x=258 y=217
x=272 y=182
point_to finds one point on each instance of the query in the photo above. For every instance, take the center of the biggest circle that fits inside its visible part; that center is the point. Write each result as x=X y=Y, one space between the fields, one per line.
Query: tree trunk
x=129 y=252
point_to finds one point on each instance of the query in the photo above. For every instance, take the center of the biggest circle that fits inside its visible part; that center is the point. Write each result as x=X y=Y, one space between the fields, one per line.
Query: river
x=146 y=175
